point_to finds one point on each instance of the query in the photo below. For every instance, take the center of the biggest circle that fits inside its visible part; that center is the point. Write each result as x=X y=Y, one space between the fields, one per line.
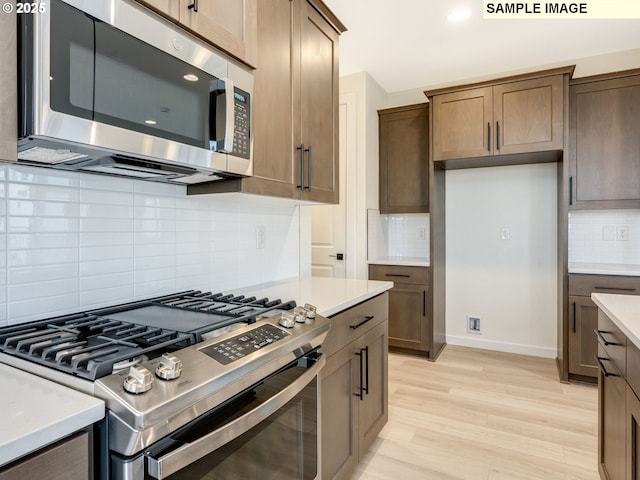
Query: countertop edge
x=600 y=299
x=329 y=312
x=402 y=263
x=604 y=269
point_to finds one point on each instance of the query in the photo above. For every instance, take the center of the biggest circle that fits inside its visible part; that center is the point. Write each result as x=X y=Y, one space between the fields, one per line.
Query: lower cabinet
x=633 y=435
x=69 y=458
x=353 y=386
x=583 y=319
x=618 y=403
x=410 y=326
x=612 y=422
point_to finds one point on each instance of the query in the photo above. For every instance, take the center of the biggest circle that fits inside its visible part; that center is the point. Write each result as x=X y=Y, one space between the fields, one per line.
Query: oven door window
x=101 y=73
x=281 y=447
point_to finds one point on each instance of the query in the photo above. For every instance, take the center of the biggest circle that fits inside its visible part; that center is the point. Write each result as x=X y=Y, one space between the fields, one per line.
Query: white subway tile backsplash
x=72 y=241
x=397 y=235
x=593 y=237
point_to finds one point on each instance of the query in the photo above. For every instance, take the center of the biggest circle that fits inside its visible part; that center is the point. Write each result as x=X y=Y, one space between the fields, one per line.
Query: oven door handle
x=185 y=455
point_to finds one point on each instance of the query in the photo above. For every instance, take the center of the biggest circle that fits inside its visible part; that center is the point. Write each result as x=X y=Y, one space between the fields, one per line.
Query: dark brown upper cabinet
x=230 y=26
x=295 y=105
x=509 y=121
x=604 y=141
x=404 y=159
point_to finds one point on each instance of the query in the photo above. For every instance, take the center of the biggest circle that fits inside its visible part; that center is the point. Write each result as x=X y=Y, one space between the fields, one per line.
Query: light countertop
x=329 y=295
x=37 y=412
x=623 y=310
x=605 y=269
x=404 y=261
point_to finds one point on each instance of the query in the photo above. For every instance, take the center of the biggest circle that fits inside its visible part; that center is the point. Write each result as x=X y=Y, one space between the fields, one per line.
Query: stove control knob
x=287 y=320
x=169 y=368
x=139 y=380
x=311 y=310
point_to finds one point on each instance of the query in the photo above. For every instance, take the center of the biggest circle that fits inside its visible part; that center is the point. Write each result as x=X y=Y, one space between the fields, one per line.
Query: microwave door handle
x=186 y=454
x=230 y=123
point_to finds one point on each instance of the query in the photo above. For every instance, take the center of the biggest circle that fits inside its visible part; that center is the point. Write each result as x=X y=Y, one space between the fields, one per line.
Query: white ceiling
x=408 y=44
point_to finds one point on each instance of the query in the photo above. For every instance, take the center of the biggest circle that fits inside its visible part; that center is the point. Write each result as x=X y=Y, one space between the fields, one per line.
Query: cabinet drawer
x=399 y=274
x=588 y=284
x=352 y=323
x=612 y=343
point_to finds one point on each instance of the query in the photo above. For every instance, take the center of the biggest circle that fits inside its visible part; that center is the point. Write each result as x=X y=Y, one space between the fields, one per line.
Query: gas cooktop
x=96 y=343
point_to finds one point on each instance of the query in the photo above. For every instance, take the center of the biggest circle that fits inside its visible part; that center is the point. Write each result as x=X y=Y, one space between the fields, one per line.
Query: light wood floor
x=482 y=415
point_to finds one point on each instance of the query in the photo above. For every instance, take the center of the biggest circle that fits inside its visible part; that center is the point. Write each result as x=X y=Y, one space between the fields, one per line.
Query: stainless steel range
x=197 y=385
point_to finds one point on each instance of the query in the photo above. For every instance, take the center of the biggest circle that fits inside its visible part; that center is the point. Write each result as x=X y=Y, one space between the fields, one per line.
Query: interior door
x=329 y=256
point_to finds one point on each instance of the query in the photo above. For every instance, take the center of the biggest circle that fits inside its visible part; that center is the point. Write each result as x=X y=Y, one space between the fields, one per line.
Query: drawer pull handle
x=602 y=368
x=358 y=325
x=397 y=275
x=615 y=288
x=602 y=340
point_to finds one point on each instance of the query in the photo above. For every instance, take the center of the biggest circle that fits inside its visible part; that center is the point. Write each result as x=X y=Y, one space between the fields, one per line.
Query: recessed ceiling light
x=150 y=122
x=190 y=77
x=459 y=15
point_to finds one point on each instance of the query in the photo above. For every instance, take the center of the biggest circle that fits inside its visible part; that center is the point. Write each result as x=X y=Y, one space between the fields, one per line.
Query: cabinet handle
x=368 y=318
x=194 y=6
x=602 y=368
x=424 y=303
x=497 y=135
x=489 y=137
x=615 y=288
x=601 y=339
x=570 y=190
x=301 y=150
x=360 y=394
x=397 y=275
x=574 y=317
x=366 y=369
x=308 y=150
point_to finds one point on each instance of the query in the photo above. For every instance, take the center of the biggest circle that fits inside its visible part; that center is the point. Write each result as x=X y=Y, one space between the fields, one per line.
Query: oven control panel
x=234 y=348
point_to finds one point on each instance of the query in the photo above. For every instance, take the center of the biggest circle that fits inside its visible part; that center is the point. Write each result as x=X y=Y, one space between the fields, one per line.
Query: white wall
x=510 y=284
x=369 y=97
x=71 y=241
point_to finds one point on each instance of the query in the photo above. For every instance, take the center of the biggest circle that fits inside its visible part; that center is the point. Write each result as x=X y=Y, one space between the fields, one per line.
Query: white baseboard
x=544 y=352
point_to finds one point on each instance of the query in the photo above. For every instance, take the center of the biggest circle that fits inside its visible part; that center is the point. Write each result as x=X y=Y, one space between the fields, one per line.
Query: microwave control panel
x=242 y=137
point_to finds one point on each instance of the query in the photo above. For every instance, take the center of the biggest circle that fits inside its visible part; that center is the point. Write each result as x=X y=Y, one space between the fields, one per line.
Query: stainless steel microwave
x=110 y=87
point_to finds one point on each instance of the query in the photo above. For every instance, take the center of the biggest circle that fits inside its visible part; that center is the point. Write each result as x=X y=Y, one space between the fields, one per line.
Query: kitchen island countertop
x=37 y=412
x=329 y=295
x=624 y=312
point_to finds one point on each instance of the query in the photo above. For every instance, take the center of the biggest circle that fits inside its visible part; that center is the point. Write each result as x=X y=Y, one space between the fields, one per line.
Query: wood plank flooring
x=482 y=415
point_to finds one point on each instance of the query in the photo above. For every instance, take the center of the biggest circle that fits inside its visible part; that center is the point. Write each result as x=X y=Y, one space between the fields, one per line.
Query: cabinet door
x=462 y=124
x=612 y=424
x=8 y=88
x=373 y=408
x=168 y=8
x=633 y=435
x=604 y=142
x=273 y=152
x=583 y=346
x=408 y=321
x=528 y=115
x=230 y=25
x=339 y=414
x=404 y=159
x=318 y=96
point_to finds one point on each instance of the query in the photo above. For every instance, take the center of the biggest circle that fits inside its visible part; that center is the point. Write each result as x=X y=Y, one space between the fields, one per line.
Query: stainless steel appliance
x=195 y=384
x=110 y=87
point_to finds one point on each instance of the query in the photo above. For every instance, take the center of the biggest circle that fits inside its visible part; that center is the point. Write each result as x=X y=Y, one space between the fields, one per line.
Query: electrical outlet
x=422 y=234
x=261 y=233
x=473 y=324
x=622 y=233
x=505 y=233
